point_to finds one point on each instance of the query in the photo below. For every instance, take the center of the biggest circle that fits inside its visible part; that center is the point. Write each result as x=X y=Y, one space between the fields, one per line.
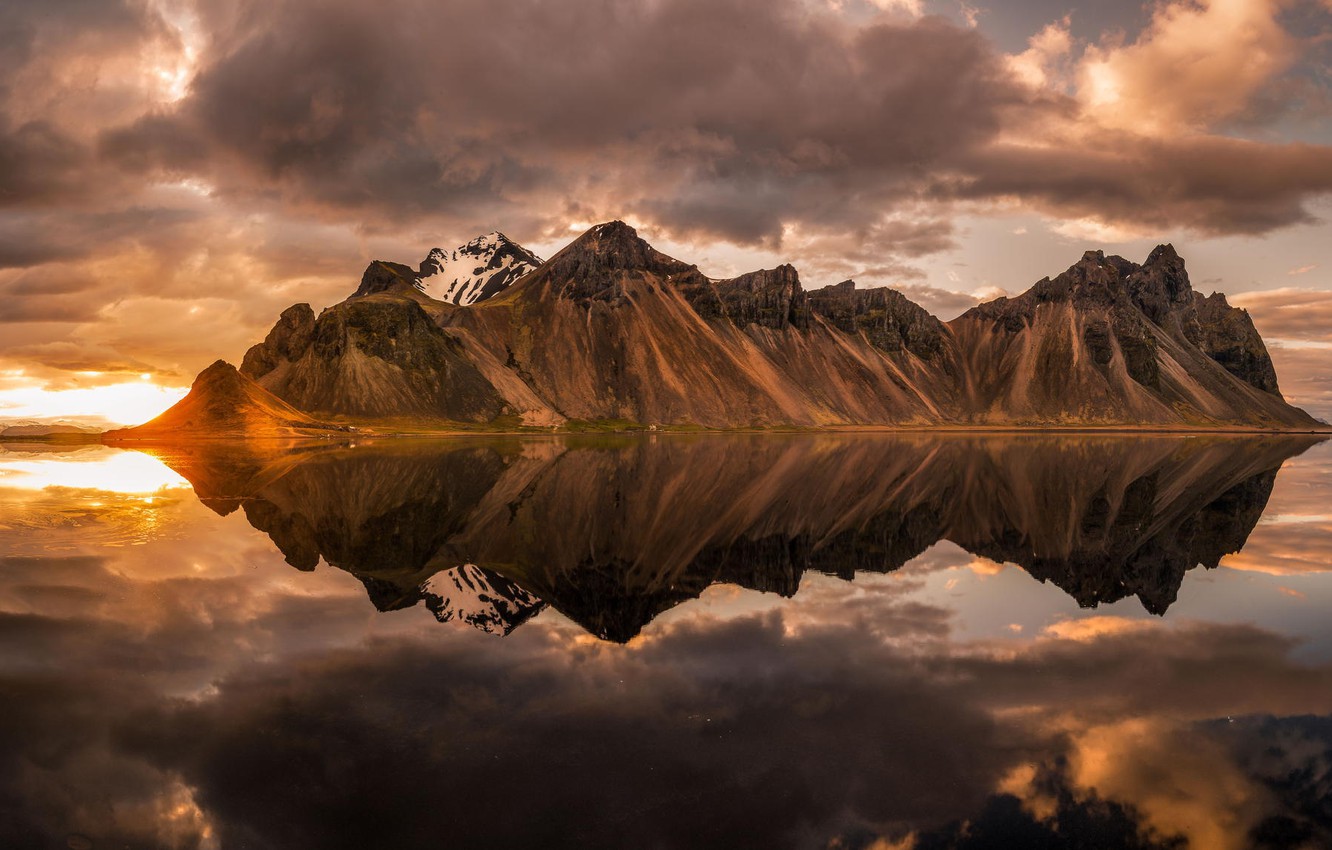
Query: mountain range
x=43 y=428
x=612 y=331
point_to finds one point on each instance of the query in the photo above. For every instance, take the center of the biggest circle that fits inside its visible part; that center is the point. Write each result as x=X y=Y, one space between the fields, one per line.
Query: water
x=669 y=641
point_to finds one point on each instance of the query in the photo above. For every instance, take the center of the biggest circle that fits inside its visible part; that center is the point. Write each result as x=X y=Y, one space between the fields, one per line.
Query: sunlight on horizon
x=129 y=403
x=110 y=470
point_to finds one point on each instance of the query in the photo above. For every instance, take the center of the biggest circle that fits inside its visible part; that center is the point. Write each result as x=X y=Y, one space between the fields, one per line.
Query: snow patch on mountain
x=476 y=271
x=484 y=600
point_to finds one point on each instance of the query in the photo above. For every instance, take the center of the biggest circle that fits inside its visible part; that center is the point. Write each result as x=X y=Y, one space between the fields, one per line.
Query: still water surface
x=731 y=641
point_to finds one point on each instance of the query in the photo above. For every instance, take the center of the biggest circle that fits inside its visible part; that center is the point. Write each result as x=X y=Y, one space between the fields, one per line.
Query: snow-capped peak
x=484 y=600
x=476 y=271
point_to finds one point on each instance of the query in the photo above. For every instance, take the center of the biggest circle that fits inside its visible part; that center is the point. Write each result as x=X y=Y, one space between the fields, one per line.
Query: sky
x=174 y=173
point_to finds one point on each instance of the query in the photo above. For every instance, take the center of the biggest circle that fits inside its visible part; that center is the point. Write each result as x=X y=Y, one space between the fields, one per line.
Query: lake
x=656 y=641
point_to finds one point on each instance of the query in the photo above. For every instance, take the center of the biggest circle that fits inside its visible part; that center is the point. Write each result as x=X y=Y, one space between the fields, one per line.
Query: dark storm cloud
x=717 y=119
x=712 y=120
x=34 y=239
x=46 y=120
x=39 y=163
x=1207 y=184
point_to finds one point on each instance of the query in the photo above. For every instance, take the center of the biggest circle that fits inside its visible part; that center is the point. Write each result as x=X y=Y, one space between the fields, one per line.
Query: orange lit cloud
x=1092 y=628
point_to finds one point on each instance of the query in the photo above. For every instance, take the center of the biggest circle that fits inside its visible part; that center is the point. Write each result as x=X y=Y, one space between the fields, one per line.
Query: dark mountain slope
x=1109 y=342
x=379 y=354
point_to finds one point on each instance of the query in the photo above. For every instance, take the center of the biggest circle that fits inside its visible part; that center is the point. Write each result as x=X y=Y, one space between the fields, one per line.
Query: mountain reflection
x=611 y=532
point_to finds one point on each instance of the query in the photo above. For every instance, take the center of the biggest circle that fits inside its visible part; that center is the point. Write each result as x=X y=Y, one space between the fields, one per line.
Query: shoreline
x=913 y=430
x=673 y=431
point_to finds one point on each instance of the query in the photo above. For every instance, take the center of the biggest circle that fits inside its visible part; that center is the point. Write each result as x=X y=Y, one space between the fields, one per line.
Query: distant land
x=612 y=334
x=41 y=431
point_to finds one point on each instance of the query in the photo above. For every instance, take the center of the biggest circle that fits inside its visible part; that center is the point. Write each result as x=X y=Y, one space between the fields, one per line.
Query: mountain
x=35 y=428
x=379 y=354
x=476 y=271
x=224 y=403
x=610 y=329
x=1112 y=342
x=612 y=531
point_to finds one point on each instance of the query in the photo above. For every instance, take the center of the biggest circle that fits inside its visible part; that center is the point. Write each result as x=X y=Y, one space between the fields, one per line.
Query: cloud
x=1216 y=55
x=711 y=137
x=1289 y=313
x=1090 y=628
x=1299 y=270
x=673 y=736
x=1047 y=61
x=1130 y=184
x=1306 y=377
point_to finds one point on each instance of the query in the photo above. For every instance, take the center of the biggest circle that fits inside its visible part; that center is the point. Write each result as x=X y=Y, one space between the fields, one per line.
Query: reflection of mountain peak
x=612 y=533
x=484 y=600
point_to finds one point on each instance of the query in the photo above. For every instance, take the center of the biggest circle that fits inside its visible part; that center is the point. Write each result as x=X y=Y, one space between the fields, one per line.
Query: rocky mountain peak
x=1161 y=285
x=219 y=377
x=597 y=265
x=615 y=246
x=384 y=276
x=288 y=340
x=223 y=402
x=1164 y=255
x=485 y=600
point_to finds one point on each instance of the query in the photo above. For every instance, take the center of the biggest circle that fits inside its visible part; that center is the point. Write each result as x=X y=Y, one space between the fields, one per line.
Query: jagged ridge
x=612 y=329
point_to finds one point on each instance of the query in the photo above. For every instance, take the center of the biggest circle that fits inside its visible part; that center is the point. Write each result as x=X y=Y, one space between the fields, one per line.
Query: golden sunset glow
x=127 y=403
x=109 y=470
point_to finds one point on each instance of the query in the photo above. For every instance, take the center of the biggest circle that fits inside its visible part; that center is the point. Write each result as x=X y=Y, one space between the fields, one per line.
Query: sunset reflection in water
x=186 y=687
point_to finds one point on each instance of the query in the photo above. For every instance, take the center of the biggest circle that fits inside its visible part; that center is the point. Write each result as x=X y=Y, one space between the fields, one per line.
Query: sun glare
x=129 y=403
x=111 y=470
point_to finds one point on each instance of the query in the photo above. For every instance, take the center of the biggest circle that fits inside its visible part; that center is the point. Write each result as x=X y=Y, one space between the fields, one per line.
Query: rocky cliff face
x=1112 y=342
x=612 y=329
x=887 y=318
x=1228 y=336
x=770 y=298
x=377 y=355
